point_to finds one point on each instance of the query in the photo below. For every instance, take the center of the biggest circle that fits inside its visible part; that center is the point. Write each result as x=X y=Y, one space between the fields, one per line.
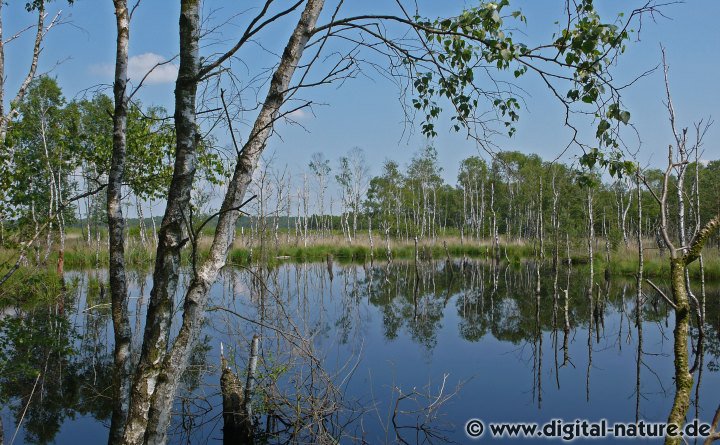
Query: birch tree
x=320 y=168
x=353 y=180
x=39 y=179
x=471 y=178
x=683 y=251
x=116 y=228
x=41 y=29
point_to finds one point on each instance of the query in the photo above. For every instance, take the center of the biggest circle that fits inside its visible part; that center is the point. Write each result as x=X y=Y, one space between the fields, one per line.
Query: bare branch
x=144 y=78
x=227 y=115
x=17 y=34
x=715 y=434
x=248 y=34
x=41 y=31
x=662 y=294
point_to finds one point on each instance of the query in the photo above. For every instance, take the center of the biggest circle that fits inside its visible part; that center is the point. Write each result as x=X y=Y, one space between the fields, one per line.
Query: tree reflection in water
x=355 y=353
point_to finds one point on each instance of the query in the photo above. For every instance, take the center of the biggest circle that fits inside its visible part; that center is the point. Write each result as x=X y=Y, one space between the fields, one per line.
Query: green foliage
x=40 y=156
x=20 y=340
x=319 y=165
x=397 y=199
x=47 y=374
x=56 y=150
x=37 y=4
x=29 y=287
x=150 y=146
x=480 y=37
x=614 y=162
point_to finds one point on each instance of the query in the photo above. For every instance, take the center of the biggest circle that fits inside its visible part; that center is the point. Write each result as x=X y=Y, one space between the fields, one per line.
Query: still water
x=367 y=354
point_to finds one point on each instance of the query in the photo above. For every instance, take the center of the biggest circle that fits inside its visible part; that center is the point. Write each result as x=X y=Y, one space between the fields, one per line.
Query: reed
x=623 y=260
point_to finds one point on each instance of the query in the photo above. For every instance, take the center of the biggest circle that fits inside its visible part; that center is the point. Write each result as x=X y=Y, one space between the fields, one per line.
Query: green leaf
x=602 y=128
x=625 y=117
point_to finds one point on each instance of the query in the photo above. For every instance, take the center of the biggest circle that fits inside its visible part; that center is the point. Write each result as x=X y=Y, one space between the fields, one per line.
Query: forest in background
x=61 y=152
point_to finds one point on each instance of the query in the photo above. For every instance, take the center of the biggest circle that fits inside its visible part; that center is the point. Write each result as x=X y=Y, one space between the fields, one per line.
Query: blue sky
x=365 y=112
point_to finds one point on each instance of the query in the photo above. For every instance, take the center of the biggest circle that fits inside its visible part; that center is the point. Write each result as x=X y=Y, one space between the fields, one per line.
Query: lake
x=368 y=354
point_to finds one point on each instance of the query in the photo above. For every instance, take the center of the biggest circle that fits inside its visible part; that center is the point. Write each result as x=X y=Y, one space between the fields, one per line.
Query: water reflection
x=345 y=351
x=52 y=372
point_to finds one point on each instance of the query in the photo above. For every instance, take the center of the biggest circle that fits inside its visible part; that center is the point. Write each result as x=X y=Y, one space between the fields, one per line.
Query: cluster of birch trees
x=58 y=161
x=511 y=197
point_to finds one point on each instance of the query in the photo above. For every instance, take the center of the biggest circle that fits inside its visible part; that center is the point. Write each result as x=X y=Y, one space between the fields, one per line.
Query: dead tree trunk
x=235 y=429
x=541 y=223
x=556 y=225
x=680 y=258
x=141 y=223
x=238 y=427
x=591 y=237
x=372 y=244
x=496 y=237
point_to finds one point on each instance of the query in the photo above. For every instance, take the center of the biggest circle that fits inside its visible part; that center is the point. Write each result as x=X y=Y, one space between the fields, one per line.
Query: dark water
x=389 y=355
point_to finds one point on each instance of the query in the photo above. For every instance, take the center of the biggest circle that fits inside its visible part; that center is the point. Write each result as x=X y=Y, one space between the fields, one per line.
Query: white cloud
x=103 y=70
x=139 y=66
x=298 y=114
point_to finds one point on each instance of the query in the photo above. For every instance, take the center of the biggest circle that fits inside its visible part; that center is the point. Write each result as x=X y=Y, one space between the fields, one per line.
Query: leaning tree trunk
x=116 y=231
x=159 y=373
x=683 y=377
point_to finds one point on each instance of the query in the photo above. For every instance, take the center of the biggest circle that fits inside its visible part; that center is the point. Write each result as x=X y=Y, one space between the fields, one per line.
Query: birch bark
x=158 y=374
x=116 y=231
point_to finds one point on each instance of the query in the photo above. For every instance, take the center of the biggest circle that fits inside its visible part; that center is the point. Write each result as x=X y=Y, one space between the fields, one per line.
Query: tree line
x=514 y=196
x=61 y=152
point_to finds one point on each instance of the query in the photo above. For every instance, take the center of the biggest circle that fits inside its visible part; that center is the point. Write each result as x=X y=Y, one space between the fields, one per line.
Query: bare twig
x=662 y=294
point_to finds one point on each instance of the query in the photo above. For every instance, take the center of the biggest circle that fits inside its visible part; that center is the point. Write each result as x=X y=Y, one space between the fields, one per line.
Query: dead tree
x=639 y=299
x=682 y=254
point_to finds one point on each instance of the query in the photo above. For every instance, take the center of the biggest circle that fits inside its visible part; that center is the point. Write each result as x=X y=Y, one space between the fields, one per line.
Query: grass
x=623 y=260
x=28 y=287
x=135 y=257
x=83 y=258
x=344 y=252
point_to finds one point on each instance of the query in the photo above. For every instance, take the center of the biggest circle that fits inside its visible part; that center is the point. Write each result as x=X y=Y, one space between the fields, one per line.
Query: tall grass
x=28 y=287
x=359 y=253
x=623 y=260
